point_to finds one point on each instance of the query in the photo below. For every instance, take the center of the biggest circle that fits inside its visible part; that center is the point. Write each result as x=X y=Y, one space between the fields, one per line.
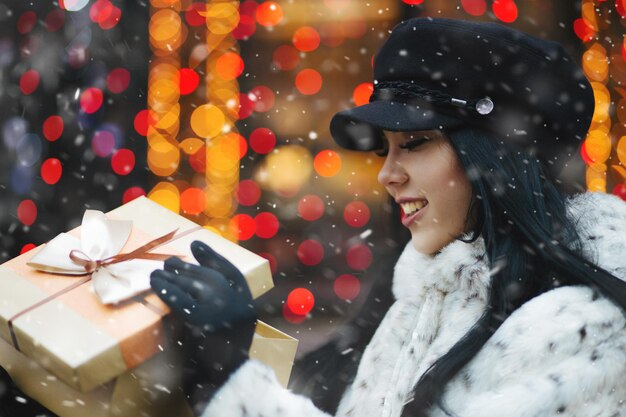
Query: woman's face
x=423 y=174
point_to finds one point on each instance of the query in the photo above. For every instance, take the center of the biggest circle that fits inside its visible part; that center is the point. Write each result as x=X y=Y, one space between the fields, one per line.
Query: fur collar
x=464 y=266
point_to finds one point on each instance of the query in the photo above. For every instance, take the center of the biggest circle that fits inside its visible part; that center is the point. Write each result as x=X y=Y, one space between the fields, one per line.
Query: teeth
x=412 y=206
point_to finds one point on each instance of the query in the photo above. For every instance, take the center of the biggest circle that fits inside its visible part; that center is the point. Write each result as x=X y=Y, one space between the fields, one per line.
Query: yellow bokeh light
x=167 y=195
x=207 y=121
x=603 y=102
x=621 y=150
x=597 y=185
x=191 y=145
x=163 y=91
x=596 y=63
x=589 y=15
x=223 y=153
x=598 y=145
x=163 y=160
x=222 y=18
x=285 y=170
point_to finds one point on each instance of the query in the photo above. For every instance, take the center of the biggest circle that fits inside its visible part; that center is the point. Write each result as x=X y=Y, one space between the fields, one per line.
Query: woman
x=507 y=301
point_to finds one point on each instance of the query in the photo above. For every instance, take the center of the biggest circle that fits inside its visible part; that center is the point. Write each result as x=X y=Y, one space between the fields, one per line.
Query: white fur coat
x=562 y=353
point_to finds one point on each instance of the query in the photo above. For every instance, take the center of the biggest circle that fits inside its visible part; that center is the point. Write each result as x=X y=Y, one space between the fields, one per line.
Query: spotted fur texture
x=562 y=353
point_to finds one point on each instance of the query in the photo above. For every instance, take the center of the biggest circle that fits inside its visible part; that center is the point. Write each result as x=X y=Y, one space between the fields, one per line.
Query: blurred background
x=219 y=110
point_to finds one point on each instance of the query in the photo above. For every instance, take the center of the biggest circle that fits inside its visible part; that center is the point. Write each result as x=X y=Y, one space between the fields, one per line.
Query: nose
x=392 y=172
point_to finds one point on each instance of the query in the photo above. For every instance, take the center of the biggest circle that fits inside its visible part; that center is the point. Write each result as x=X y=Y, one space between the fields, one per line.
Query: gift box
x=111 y=356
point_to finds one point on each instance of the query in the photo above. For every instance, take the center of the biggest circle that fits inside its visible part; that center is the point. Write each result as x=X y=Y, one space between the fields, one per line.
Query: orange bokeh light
x=327 y=163
x=362 y=93
x=229 y=66
x=269 y=13
x=306 y=39
x=192 y=201
x=309 y=81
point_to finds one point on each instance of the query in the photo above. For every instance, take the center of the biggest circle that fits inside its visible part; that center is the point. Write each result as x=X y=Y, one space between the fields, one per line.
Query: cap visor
x=360 y=128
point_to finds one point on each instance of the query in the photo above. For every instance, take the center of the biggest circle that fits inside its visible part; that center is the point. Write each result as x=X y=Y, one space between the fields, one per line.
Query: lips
x=408 y=219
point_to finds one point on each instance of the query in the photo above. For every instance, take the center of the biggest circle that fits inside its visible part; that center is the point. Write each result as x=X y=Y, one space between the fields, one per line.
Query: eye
x=414 y=143
x=384 y=152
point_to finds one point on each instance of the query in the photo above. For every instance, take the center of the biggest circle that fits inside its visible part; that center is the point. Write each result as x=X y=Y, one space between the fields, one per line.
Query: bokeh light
x=359 y=257
x=167 y=195
x=505 y=10
x=192 y=15
x=229 y=66
x=242 y=226
x=300 y=301
x=118 y=80
x=362 y=93
x=103 y=143
x=27 y=247
x=142 y=121
x=263 y=98
x=73 y=5
x=285 y=170
x=132 y=193
x=248 y=192
x=29 y=81
x=246 y=106
x=192 y=201
x=356 y=214
x=309 y=81
x=306 y=39
x=262 y=140
x=267 y=225
x=221 y=17
x=55 y=20
x=91 y=100
x=27 y=212
x=207 y=121
x=123 y=161
x=474 y=7
x=269 y=13
x=310 y=252
x=28 y=150
x=53 y=128
x=188 y=80
x=51 y=171
x=327 y=163
x=26 y=22
x=310 y=207
x=347 y=287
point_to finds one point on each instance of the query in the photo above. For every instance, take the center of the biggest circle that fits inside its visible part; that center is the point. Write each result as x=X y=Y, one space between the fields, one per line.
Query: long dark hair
x=531 y=244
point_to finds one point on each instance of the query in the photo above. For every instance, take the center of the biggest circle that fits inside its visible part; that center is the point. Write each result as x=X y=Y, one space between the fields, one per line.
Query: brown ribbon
x=91 y=266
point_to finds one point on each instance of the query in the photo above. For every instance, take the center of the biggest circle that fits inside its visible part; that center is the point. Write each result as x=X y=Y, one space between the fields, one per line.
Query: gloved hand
x=218 y=319
x=14 y=403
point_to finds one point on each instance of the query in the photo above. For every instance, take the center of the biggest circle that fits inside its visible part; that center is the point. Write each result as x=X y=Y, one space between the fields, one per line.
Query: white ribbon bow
x=100 y=239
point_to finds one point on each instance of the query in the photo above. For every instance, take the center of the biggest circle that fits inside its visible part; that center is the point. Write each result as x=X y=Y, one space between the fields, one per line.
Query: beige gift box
x=75 y=352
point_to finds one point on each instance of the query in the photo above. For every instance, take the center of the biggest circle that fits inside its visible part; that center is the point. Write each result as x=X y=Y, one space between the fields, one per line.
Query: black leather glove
x=14 y=403
x=214 y=303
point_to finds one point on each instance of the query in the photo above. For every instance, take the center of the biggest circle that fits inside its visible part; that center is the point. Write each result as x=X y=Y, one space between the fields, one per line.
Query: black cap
x=443 y=73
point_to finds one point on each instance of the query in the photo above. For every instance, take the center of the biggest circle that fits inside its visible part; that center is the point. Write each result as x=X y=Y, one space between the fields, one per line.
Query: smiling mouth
x=413 y=207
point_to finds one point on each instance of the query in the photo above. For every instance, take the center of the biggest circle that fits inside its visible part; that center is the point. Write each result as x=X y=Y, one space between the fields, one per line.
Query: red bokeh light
x=309 y=81
x=474 y=7
x=242 y=226
x=245 y=28
x=310 y=207
x=53 y=128
x=306 y=39
x=359 y=257
x=51 y=170
x=188 y=80
x=112 y=20
x=27 y=247
x=118 y=80
x=584 y=155
x=246 y=106
x=291 y=317
x=142 y=121
x=197 y=160
x=356 y=214
x=310 y=252
x=27 y=212
x=362 y=93
x=123 y=161
x=347 y=287
x=286 y=57
x=100 y=11
x=229 y=66
x=269 y=13
x=26 y=22
x=248 y=192
x=55 y=20
x=413 y=2
x=103 y=143
x=331 y=34
x=263 y=98
x=91 y=100
x=583 y=30
x=620 y=191
x=266 y=225
x=29 y=81
x=262 y=140
x=192 y=201
x=132 y=193
x=505 y=10
x=300 y=301
x=192 y=16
